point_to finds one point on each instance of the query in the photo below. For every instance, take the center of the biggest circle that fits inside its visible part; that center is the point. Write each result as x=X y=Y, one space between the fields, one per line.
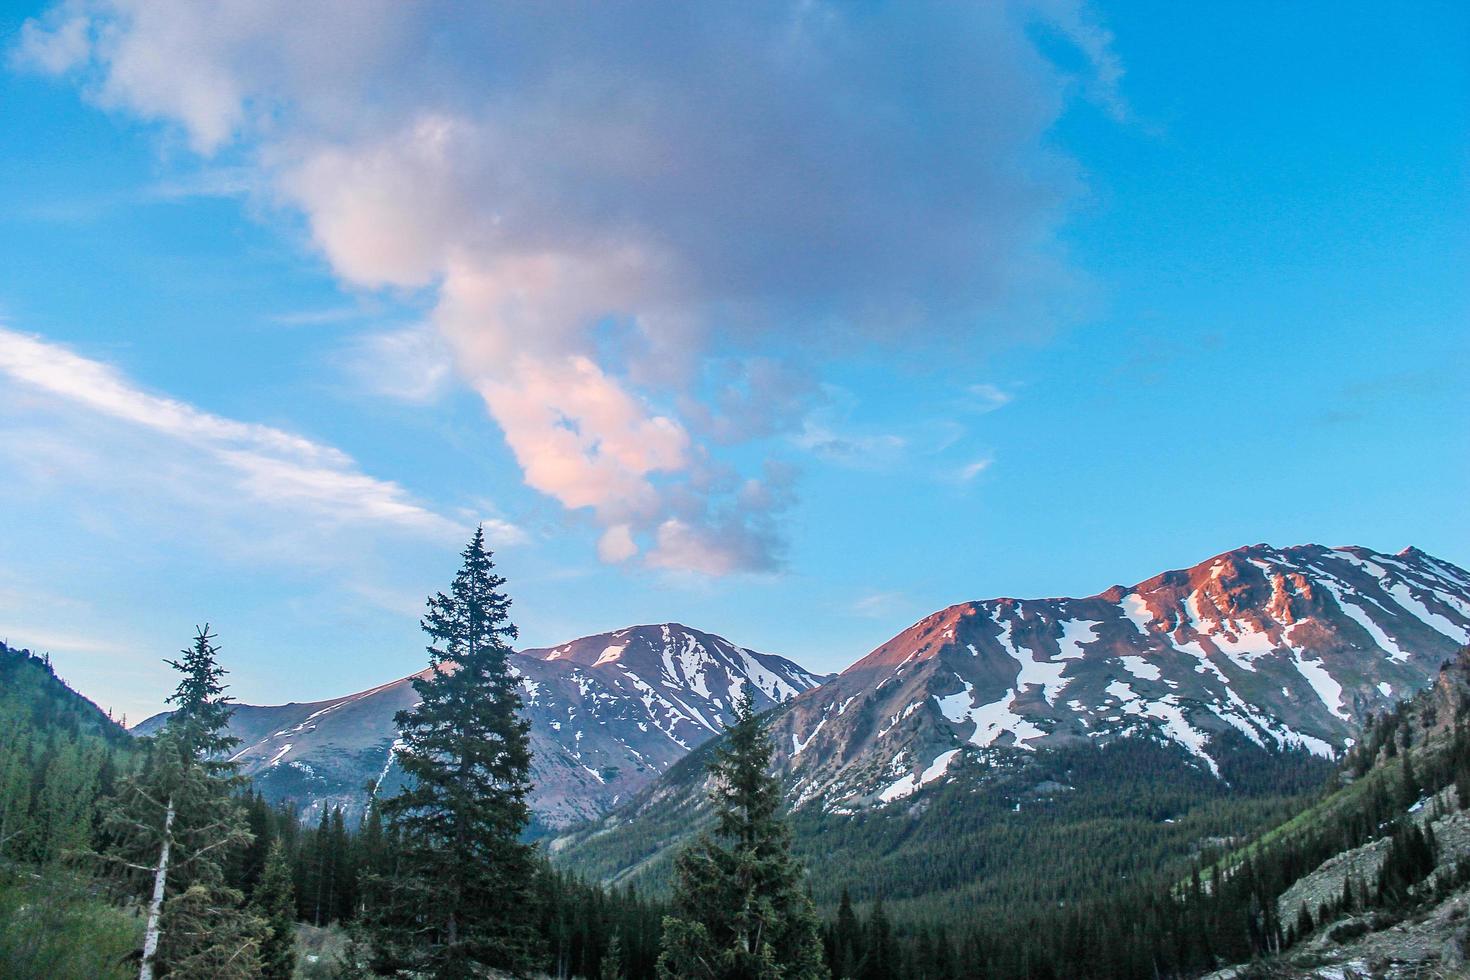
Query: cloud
x=39 y=640
x=864 y=451
x=244 y=463
x=973 y=469
x=412 y=364
x=605 y=201
x=987 y=397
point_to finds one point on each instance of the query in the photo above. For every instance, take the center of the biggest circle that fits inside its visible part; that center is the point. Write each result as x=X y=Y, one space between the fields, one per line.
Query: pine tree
x=612 y=960
x=206 y=934
x=1409 y=783
x=175 y=823
x=846 y=940
x=460 y=897
x=1304 y=923
x=740 y=909
x=15 y=781
x=878 y=953
x=275 y=902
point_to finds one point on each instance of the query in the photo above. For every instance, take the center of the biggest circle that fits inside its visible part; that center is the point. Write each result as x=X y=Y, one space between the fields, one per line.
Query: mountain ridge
x=608 y=713
x=1273 y=642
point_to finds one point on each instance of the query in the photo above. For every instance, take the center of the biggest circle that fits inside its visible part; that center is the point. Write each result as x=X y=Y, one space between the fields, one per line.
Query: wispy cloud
x=313 y=318
x=412 y=364
x=987 y=397
x=264 y=465
x=46 y=640
x=973 y=469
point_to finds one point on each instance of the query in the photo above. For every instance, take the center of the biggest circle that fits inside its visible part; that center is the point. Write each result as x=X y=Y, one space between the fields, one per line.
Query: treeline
x=584 y=930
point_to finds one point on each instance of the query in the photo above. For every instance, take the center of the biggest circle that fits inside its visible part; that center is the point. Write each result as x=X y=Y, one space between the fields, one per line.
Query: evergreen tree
x=846 y=940
x=740 y=909
x=1304 y=923
x=177 y=821
x=275 y=902
x=878 y=952
x=206 y=934
x=460 y=896
x=15 y=781
x=612 y=960
x=1409 y=783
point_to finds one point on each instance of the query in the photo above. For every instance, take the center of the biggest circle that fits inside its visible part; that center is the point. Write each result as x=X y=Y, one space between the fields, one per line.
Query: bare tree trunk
x=155 y=905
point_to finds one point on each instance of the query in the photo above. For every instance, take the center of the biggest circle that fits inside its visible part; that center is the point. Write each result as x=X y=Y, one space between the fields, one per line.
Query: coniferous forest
x=154 y=857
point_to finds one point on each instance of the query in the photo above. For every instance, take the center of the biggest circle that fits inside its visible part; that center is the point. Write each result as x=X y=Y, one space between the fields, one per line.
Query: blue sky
x=789 y=323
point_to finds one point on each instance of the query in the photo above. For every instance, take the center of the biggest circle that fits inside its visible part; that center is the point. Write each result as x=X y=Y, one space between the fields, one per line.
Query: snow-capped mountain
x=608 y=714
x=1288 y=647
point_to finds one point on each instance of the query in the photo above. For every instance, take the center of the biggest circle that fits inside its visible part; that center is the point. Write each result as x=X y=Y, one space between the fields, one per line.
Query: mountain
x=608 y=714
x=1122 y=728
x=1287 y=647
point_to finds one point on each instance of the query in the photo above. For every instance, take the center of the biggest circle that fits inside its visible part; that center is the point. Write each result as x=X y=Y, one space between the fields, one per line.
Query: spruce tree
x=459 y=898
x=15 y=780
x=878 y=953
x=612 y=960
x=275 y=902
x=847 y=937
x=740 y=909
x=175 y=824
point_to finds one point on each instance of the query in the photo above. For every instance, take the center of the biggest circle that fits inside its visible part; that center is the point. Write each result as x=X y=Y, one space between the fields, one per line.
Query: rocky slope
x=608 y=714
x=1288 y=647
x=1422 y=932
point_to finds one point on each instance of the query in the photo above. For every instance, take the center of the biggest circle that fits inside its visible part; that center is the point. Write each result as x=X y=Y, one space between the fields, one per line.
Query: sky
x=793 y=322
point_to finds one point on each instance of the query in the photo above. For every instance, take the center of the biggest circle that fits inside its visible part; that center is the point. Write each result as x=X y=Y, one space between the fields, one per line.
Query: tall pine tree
x=741 y=911
x=459 y=897
x=175 y=824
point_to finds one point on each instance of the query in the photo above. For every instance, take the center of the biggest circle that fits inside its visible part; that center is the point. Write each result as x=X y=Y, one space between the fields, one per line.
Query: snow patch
x=1076 y=632
x=1141 y=668
x=1360 y=616
x=1135 y=608
x=611 y=655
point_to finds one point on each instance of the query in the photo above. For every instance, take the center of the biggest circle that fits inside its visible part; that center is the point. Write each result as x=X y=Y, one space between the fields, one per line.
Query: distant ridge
x=608 y=714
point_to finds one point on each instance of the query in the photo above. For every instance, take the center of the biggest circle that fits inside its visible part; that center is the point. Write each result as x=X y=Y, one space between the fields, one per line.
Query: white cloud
x=42 y=640
x=253 y=464
x=617 y=544
x=973 y=469
x=987 y=397
x=599 y=199
x=412 y=364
